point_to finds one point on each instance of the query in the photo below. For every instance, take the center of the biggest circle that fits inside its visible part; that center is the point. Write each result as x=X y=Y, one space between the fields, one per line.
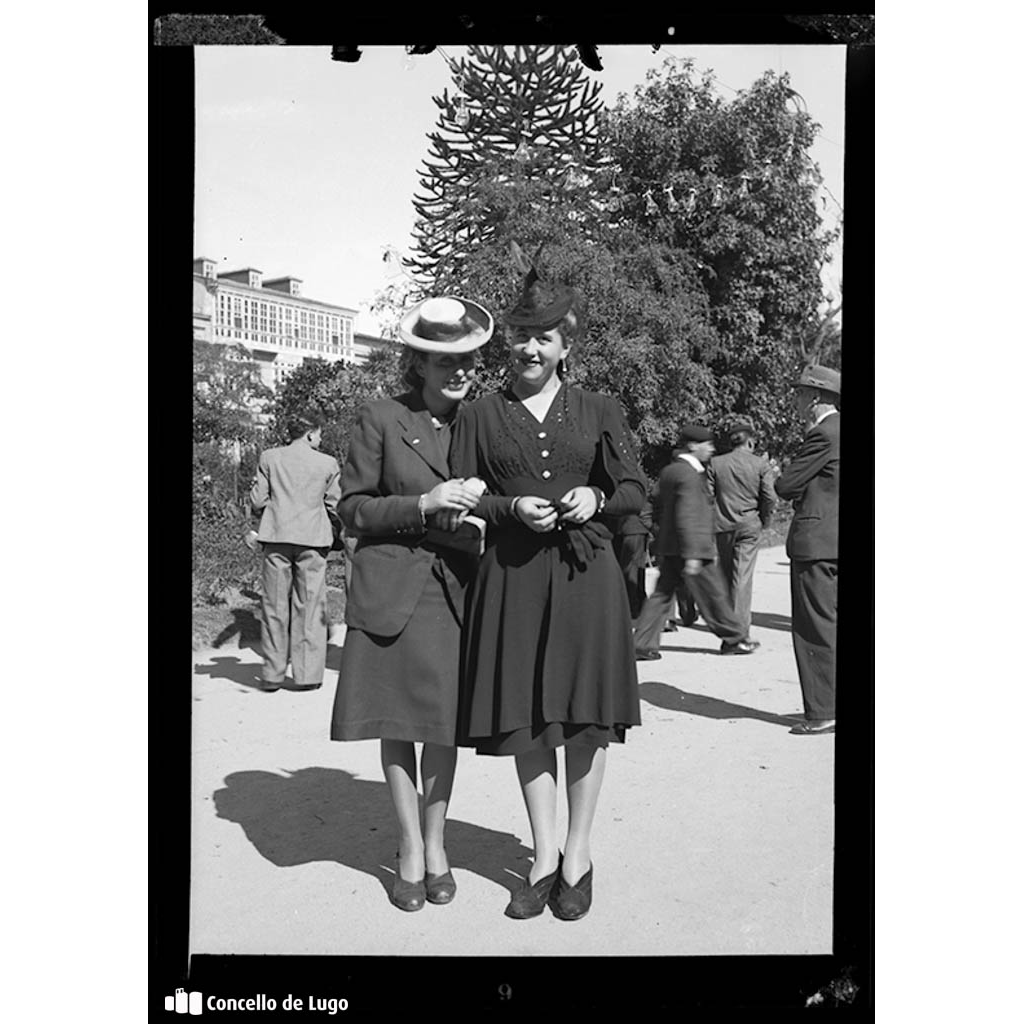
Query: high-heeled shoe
x=571 y=902
x=440 y=888
x=407 y=895
x=530 y=900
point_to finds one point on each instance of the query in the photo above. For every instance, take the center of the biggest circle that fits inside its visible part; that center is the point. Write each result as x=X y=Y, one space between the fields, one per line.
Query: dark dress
x=547 y=651
x=399 y=673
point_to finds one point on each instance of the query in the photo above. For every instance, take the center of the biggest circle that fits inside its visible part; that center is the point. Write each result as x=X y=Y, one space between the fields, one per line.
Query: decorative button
x=543 y=433
x=415 y=440
x=544 y=454
x=546 y=473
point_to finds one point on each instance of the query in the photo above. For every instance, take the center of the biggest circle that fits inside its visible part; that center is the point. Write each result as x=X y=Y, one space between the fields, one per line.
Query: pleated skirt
x=547 y=651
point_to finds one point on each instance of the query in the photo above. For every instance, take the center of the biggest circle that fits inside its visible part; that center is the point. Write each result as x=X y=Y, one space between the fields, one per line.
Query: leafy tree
x=227 y=392
x=227 y=400
x=686 y=221
x=645 y=320
x=337 y=390
x=730 y=183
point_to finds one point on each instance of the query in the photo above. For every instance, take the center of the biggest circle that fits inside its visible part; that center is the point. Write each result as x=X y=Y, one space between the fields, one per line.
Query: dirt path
x=714 y=831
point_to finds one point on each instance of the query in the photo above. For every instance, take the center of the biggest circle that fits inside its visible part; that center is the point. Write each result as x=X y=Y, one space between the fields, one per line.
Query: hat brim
x=820 y=385
x=480 y=335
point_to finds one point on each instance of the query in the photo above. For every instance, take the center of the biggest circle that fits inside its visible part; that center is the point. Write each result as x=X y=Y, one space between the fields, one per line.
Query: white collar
x=692 y=460
x=824 y=415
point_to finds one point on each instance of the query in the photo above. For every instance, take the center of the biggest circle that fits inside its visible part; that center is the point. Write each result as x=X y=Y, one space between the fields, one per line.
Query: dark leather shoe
x=741 y=647
x=647 y=654
x=813 y=728
x=407 y=895
x=571 y=902
x=669 y=627
x=440 y=888
x=530 y=900
x=264 y=687
x=306 y=686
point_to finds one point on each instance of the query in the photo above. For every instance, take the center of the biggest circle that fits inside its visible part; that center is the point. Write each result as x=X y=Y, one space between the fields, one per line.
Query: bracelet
x=512 y=507
x=601 y=500
x=420 y=505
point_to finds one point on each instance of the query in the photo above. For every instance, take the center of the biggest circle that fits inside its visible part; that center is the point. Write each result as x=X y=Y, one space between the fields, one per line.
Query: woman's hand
x=458 y=494
x=537 y=513
x=579 y=505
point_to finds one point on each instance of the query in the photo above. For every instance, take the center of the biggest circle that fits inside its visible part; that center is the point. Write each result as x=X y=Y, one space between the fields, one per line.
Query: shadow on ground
x=687 y=650
x=244 y=673
x=770 y=620
x=326 y=814
x=662 y=695
x=245 y=625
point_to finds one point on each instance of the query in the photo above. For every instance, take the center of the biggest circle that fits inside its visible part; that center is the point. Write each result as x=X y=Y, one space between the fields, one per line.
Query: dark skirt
x=403 y=687
x=548 y=648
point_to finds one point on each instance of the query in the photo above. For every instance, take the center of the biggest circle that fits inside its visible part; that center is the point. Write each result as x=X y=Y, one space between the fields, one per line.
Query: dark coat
x=393 y=458
x=686 y=514
x=811 y=482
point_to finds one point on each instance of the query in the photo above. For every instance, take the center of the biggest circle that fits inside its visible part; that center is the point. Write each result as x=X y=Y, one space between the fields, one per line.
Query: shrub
x=221 y=563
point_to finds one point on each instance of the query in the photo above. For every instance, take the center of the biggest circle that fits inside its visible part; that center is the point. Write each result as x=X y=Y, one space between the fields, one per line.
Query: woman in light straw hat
x=399 y=671
x=547 y=645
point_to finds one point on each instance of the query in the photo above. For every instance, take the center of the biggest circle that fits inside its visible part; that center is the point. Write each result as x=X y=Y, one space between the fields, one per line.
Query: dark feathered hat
x=542 y=303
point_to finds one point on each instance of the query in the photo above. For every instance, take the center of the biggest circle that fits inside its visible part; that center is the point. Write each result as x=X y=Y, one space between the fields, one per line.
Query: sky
x=306 y=166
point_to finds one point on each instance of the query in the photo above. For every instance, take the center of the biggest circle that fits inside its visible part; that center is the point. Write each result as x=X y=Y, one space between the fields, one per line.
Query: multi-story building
x=273 y=320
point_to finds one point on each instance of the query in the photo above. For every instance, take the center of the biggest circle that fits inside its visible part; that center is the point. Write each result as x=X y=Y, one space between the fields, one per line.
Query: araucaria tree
x=527 y=113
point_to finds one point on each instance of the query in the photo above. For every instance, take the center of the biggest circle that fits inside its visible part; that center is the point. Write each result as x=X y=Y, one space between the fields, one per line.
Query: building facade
x=273 y=320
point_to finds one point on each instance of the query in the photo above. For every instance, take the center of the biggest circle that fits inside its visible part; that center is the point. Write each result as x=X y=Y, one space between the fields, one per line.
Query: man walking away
x=686 y=547
x=744 y=500
x=811 y=482
x=296 y=488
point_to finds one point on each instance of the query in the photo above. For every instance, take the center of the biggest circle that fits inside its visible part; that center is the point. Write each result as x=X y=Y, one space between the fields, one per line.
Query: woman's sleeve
x=616 y=470
x=464 y=460
x=364 y=507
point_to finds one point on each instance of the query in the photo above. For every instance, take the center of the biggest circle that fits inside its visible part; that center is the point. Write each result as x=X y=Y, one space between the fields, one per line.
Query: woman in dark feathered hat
x=547 y=644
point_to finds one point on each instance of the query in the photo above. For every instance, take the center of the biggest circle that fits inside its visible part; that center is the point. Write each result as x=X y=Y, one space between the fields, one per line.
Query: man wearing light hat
x=686 y=547
x=811 y=482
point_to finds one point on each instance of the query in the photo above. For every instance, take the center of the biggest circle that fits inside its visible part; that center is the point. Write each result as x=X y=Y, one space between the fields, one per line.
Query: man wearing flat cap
x=744 y=499
x=811 y=482
x=686 y=548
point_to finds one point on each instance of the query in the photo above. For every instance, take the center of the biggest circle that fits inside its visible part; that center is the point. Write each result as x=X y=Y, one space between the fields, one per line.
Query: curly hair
x=408 y=368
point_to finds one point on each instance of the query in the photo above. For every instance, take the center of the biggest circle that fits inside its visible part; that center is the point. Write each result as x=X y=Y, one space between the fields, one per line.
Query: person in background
x=811 y=482
x=686 y=547
x=547 y=646
x=296 y=490
x=741 y=484
x=632 y=537
x=399 y=673
x=686 y=607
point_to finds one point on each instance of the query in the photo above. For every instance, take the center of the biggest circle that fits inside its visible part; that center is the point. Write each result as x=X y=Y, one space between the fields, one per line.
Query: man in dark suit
x=811 y=482
x=630 y=543
x=744 y=499
x=686 y=547
x=297 y=489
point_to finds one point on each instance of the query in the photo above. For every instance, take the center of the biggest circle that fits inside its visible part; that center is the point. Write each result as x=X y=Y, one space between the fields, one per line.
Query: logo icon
x=184 y=1002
